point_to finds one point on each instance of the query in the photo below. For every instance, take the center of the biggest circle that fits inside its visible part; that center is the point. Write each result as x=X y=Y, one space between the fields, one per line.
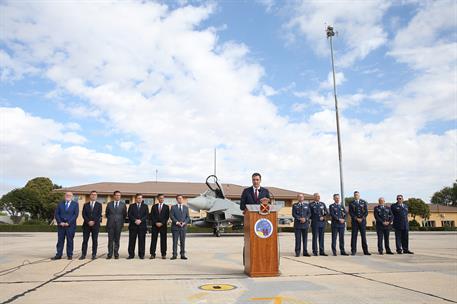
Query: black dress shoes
x=389 y=252
x=367 y=253
x=82 y=257
x=323 y=254
x=183 y=257
x=152 y=257
x=344 y=253
x=56 y=258
x=173 y=258
x=408 y=252
x=306 y=254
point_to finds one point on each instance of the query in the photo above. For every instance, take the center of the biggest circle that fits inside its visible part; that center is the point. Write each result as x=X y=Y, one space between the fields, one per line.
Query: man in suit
x=179 y=215
x=401 y=225
x=116 y=212
x=160 y=213
x=92 y=215
x=138 y=216
x=301 y=213
x=338 y=214
x=318 y=213
x=66 y=214
x=358 y=210
x=254 y=195
x=383 y=216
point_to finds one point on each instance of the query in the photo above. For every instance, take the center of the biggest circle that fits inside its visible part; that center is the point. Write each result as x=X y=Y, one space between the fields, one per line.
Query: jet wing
x=220 y=205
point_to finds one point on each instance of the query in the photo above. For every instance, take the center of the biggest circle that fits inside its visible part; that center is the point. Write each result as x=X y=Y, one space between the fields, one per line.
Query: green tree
x=417 y=207
x=18 y=202
x=43 y=188
x=446 y=196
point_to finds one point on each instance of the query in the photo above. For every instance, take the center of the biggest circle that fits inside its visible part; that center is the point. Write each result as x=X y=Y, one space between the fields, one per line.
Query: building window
x=281 y=204
x=429 y=224
x=447 y=224
x=101 y=199
x=148 y=201
x=169 y=200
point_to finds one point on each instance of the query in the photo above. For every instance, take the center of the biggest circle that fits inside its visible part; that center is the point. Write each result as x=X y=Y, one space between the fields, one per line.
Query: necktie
x=67 y=204
x=91 y=205
x=138 y=206
x=115 y=204
x=256 y=196
x=160 y=208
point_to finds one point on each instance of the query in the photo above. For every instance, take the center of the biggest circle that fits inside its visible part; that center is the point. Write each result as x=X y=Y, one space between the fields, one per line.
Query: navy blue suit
x=318 y=210
x=248 y=197
x=64 y=214
x=91 y=214
x=301 y=210
x=358 y=209
x=383 y=214
x=137 y=231
x=337 y=212
x=401 y=226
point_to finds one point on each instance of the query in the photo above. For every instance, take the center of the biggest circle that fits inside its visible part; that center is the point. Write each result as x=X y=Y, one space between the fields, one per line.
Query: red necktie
x=256 y=196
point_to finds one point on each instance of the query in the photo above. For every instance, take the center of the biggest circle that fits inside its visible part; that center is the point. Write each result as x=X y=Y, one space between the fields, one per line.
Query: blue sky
x=115 y=90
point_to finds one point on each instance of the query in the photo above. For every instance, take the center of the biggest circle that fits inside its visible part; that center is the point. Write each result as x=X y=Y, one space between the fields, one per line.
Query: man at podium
x=254 y=195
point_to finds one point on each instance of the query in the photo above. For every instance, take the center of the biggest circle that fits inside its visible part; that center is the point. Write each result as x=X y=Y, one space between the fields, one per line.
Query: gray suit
x=115 y=222
x=178 y=232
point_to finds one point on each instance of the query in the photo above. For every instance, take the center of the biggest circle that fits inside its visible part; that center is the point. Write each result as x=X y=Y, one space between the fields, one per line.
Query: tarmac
x=214 y=273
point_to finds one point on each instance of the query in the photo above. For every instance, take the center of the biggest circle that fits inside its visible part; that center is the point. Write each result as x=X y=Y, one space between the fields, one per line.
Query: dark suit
x=383 y=214
x=115 y=221
x=301 y=210
x=178 y=232
x=337 y=212
x=91 y=214
x=66 y=214
x=401 y=226
x=248 y=197
x=318 y=210
x=358 y=209
x=159 y=217
x=137 y=212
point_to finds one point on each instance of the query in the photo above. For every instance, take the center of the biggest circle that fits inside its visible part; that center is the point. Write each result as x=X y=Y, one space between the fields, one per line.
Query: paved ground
x=429 y=276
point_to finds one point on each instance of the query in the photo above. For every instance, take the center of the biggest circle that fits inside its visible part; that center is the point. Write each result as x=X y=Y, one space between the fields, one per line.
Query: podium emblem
x=264 y=209
x=263 y=228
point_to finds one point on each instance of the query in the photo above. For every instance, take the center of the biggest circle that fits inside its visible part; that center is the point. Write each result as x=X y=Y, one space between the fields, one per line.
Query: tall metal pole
x=330 y=34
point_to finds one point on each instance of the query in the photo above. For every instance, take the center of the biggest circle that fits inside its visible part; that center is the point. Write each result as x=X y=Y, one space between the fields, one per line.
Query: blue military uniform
x=383 y=214
x=401 y=226
x=358 y=209
x=337 y=212
x=301 y=210
x=318 y=210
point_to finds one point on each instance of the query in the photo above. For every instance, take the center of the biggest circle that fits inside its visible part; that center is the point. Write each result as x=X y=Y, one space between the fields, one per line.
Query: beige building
x=440 y=216
x=170 y=190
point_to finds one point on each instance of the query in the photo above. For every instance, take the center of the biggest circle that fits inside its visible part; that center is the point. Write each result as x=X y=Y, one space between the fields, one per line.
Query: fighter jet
x=221 y=212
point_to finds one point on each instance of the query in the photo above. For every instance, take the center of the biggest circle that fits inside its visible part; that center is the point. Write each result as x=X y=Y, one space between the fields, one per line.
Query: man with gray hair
x=383 y=216
x=66 y=214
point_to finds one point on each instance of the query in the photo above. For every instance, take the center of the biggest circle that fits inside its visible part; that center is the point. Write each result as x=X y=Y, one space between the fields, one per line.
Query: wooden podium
x=261 y=255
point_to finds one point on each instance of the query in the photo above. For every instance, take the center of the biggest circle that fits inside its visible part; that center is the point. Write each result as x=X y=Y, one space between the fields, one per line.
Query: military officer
x=383 y=216
x=338 y=214
x=401 y=225
x=302 y=214
x=358 y=210
x=318 y=214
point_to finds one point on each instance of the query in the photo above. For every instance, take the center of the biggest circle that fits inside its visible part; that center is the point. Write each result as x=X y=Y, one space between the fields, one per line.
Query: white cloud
x=164 y=82
x=358 y=23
